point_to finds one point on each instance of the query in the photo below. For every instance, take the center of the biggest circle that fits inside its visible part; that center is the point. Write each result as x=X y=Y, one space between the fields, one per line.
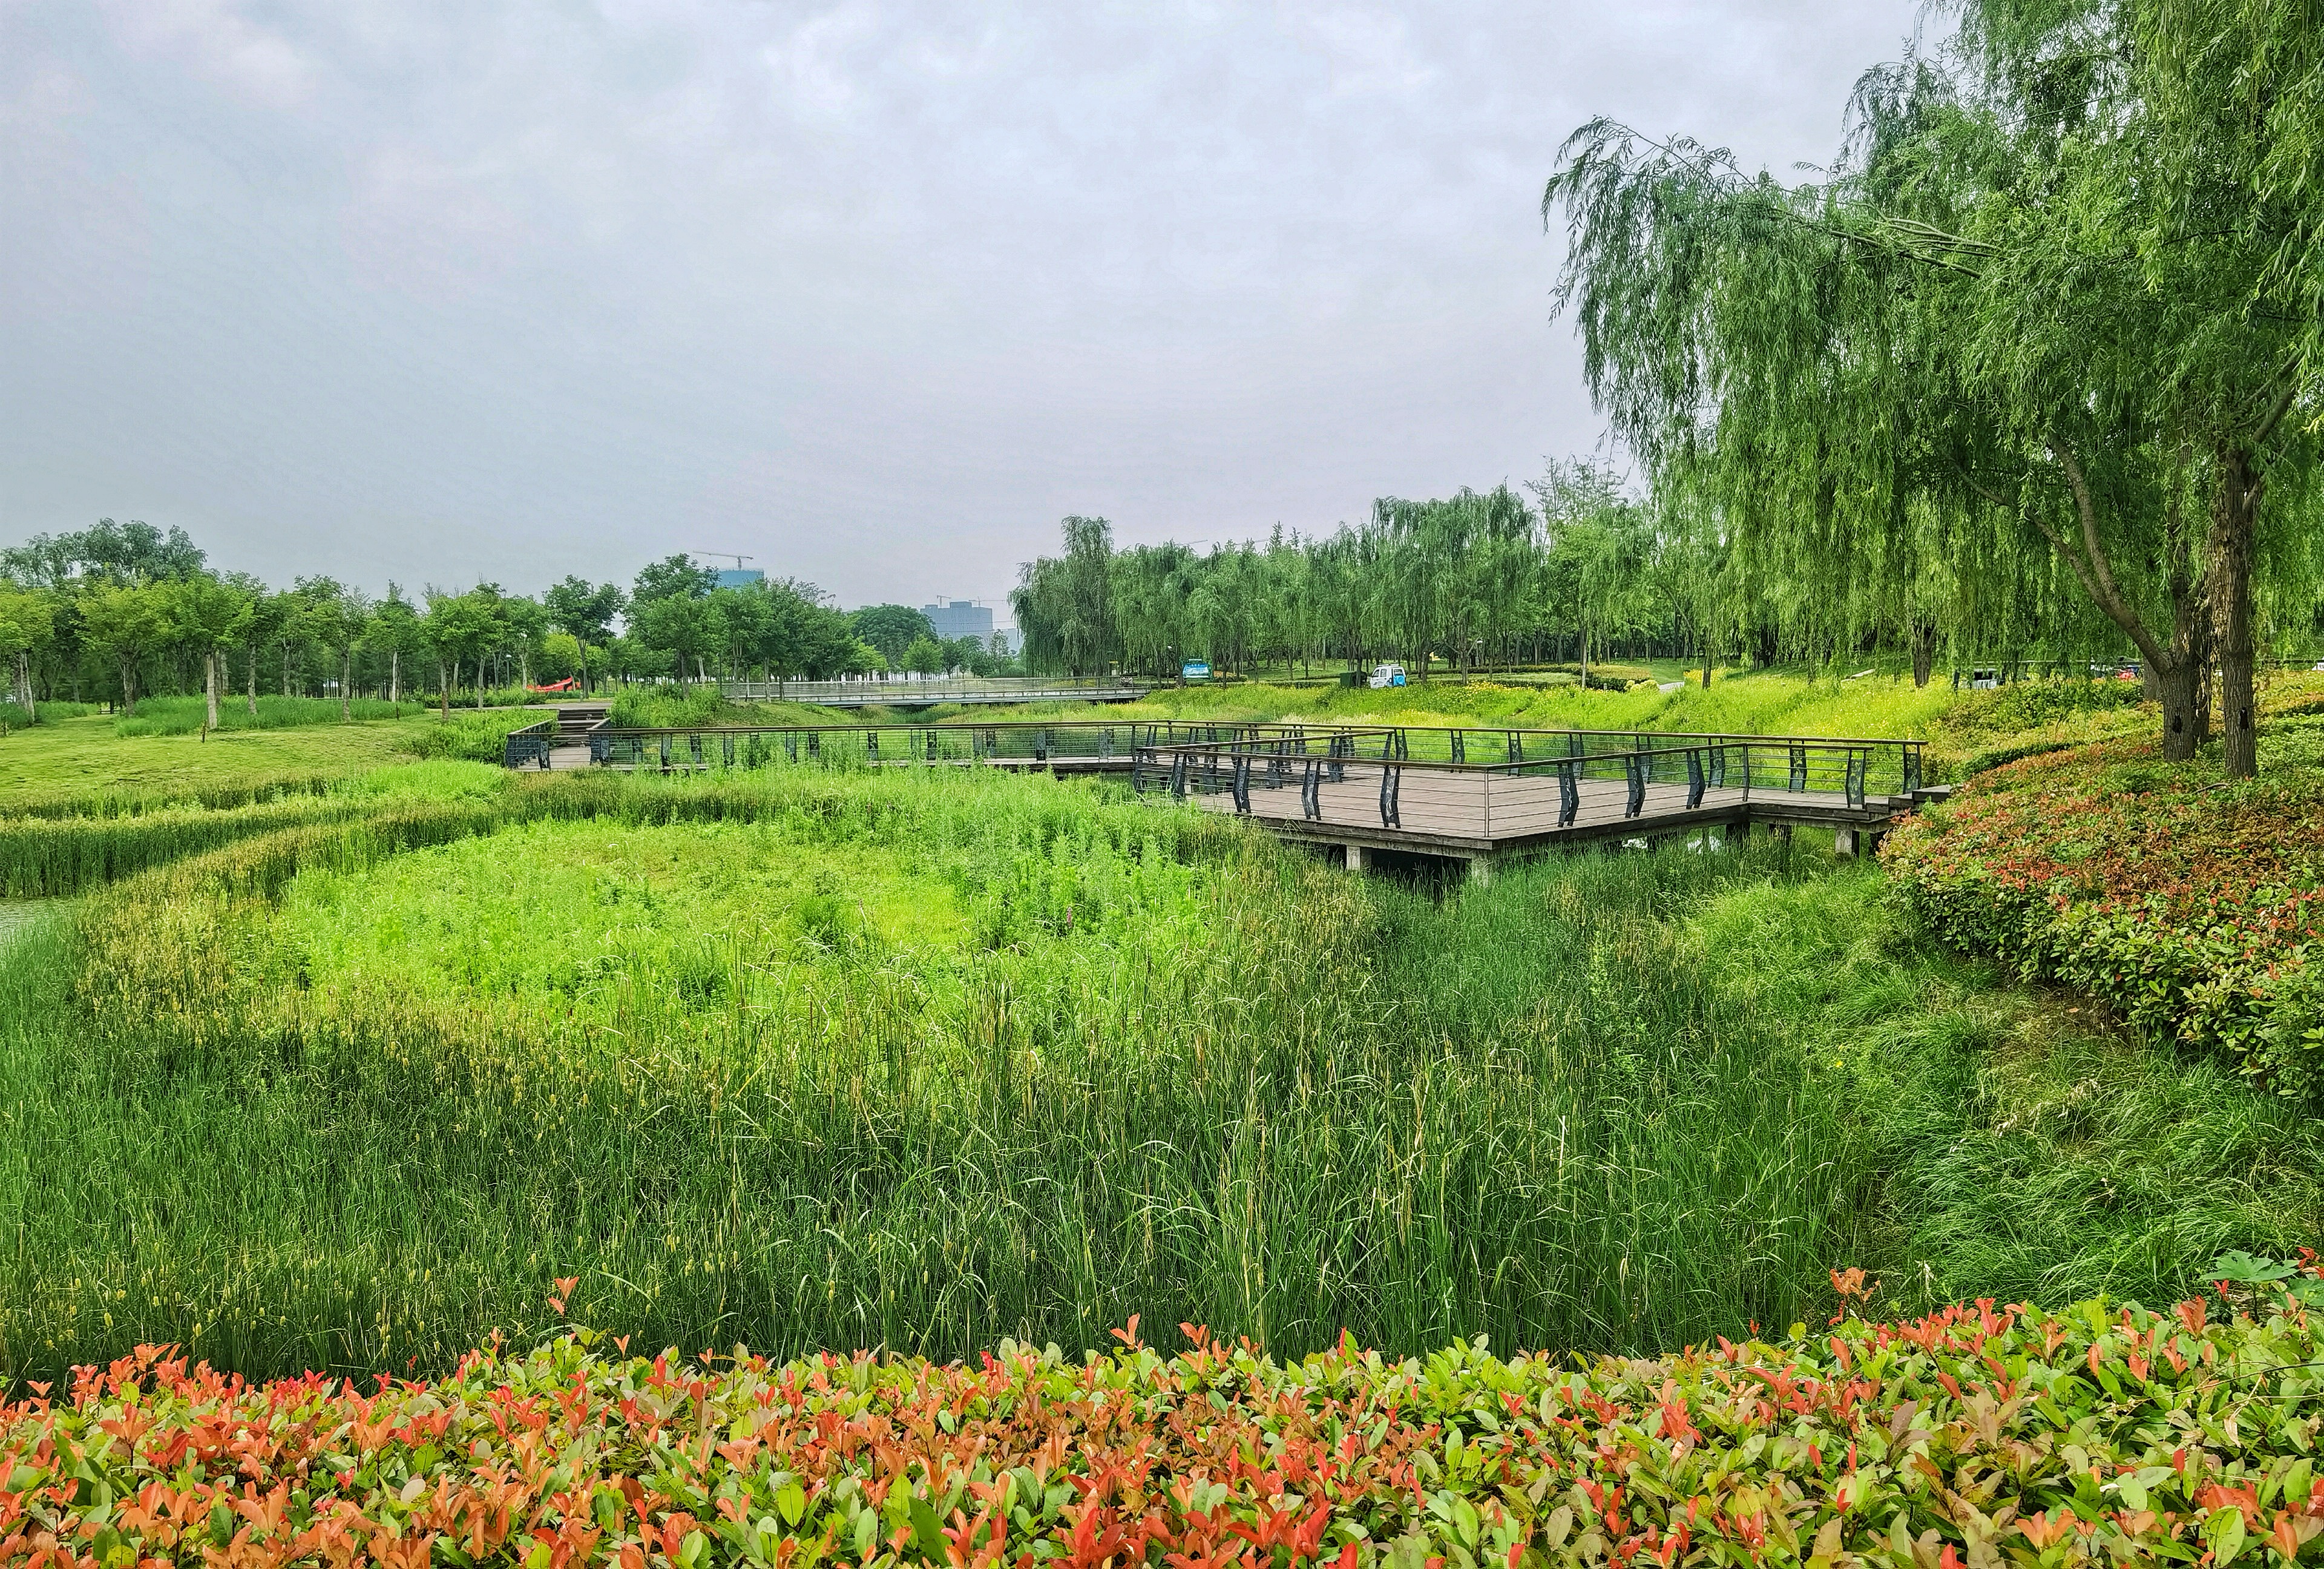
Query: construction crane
x=739 y=558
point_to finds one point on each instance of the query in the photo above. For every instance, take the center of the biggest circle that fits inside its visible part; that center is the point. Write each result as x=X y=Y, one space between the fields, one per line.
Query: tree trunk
x=2233 y=514
x=129 y=687
x=250 y=678
x=395 y=675
x=346 y=708
x=24 y=685
x=210 y=685
x=443 y=690
x=2176 y=683
x=1924 y=651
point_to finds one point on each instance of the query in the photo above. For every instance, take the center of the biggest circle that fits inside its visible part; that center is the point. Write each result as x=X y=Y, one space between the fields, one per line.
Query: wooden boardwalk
x=1470 y=794
x=1468 y=816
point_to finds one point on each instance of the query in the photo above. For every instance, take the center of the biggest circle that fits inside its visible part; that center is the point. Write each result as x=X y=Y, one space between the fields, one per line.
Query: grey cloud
x=873 y=292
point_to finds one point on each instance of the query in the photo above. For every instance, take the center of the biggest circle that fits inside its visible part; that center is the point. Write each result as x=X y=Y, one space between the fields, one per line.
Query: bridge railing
x=910 y=692
x=842 y=745
x=530 y=745
x=1473 y=797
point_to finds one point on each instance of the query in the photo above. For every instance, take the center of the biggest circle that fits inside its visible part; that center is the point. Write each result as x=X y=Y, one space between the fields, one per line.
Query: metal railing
x=1852 y=768
x=939 y=689
x=1037 y=742
x=1473 y=797
x=531 y=744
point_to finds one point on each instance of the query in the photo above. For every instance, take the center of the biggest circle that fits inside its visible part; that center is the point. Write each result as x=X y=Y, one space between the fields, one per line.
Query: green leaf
x=927 y=1531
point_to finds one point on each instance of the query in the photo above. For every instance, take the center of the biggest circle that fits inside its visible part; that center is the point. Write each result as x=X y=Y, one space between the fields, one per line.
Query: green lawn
x=85 y=754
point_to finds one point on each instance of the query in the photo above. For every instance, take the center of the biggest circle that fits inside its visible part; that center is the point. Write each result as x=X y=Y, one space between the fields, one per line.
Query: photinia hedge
x=2191 y=905
x=2104 y=1434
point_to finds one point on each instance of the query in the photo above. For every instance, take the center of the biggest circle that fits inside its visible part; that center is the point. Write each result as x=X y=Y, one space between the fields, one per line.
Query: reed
x=925 y=1059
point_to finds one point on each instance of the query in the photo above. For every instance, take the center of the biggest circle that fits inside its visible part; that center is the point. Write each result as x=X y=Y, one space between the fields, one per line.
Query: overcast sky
x=873 y=292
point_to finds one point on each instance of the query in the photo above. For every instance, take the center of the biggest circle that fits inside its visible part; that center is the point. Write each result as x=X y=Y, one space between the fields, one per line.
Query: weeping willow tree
x=2030 y=358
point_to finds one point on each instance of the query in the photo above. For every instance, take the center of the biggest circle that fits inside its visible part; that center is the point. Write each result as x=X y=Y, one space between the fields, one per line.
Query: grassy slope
x=85 y=754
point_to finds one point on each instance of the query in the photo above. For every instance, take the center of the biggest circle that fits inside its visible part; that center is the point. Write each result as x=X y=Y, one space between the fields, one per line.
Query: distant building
x=740 y=576
x=960 y=619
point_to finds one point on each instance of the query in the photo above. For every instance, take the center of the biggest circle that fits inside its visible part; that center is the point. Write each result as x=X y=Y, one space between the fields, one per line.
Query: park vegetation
x=2100 y=1433
x=707 y=1167
x=119 y=613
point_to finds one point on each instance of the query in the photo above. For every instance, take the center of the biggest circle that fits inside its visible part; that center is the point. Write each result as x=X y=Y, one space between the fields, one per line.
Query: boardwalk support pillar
x=1480 y=870
x=1843 y=841
x=1356 y=857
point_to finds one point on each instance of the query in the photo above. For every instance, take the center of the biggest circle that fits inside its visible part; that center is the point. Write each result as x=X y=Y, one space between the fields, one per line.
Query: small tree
x=393 y=630
x=27 y=621
x=126 y=621
x=586 y=614
x=208 y=612
x=336 y=616
x=926 y=656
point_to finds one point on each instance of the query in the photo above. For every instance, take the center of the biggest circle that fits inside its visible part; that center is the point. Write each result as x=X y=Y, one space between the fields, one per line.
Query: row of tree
x=1478 y=580
x=117 y=610
x=2036 y=369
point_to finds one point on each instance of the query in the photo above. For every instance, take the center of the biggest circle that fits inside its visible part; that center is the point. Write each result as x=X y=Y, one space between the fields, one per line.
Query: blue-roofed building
x=740 y=576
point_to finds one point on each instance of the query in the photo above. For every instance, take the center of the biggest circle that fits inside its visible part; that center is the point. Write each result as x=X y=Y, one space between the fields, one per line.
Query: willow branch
x=2089 y=563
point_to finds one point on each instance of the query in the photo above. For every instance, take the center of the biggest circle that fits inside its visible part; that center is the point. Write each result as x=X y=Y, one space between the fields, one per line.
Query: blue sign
x=1194 y=670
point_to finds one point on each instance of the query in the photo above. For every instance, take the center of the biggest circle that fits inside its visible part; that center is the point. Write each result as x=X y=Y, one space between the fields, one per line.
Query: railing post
x=1243 y=782
x=1311 y=791
x=1635 y=767
x=1694 y=777
x=1178 y=774
x=1391 y=779
x=1912 y=767
x=729 y=739
x=1858 y=758
x=1460 y=751
x=1799 y=767
x=1569 y=793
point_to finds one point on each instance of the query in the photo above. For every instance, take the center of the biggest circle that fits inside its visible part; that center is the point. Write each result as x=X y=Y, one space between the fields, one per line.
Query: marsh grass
x=833 y=1058
x=185 y=715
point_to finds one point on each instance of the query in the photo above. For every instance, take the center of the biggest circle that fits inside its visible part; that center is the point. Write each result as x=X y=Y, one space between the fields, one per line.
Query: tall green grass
x=69 y=845
x=928 y=1058
x=184 y=716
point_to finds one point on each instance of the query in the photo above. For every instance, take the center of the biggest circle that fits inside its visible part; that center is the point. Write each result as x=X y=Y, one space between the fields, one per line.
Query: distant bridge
x=1462 y=793
x=919 y=694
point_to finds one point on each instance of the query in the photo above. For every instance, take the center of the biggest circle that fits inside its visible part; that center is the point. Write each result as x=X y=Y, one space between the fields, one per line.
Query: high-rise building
x=738 y=576
x=960 y=619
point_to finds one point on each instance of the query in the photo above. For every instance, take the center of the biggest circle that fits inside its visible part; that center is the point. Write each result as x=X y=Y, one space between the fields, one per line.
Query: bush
x=2188 y=905
x=477 y=737
x=667 y=708
x=2102 y=1434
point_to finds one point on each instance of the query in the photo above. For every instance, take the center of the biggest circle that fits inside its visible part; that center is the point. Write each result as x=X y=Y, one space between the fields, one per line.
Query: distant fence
x=922 y=693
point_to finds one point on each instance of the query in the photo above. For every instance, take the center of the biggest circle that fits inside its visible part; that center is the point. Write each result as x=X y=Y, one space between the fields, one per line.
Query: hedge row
x=2193 y=907
x=2102 y=1434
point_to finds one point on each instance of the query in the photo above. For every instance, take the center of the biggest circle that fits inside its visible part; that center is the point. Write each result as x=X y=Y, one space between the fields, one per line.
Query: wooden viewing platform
x=1361 y=789
x=1469 y=794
